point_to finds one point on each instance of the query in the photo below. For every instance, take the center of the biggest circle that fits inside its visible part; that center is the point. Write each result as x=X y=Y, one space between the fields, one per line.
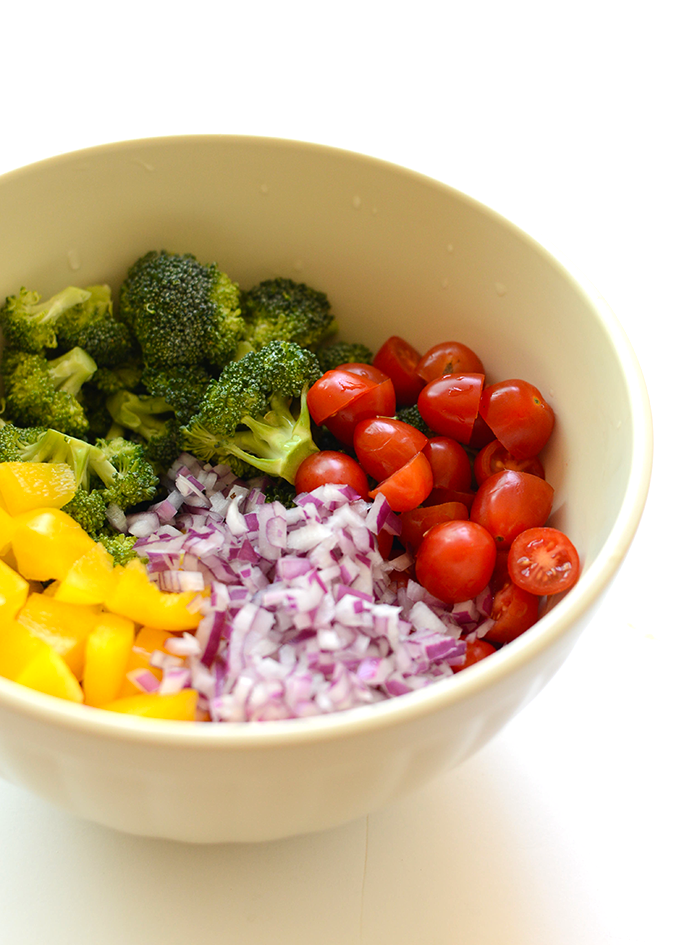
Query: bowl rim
x=443 y=693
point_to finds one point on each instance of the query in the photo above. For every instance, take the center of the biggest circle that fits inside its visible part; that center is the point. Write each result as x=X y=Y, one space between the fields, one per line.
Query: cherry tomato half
x=450 y=464
x=407 y=487
x=417 y=522
x=333 y=391
x=494 y=457
x=378 y=401
x=449 y=357
x=509 y=502
x=476 y=650
x=398 y=360
x=329 y=466
x=439 y=496
x=481 y=434
x=450 y=404
x=519 y=416
x=514 y=611
x=543 y=561
x=370 y=371
x=455 y=561
x=383 y=445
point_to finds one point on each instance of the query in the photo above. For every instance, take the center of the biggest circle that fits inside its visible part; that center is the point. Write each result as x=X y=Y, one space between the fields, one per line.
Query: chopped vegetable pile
x=211 y=509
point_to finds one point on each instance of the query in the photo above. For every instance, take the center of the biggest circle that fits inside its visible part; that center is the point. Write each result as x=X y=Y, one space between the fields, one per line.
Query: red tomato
x=415 y=524
x=450 y=464
x=450 y=404
x=385 y=543
x=514 y=611
x=449 y=357
x=336 y=389
x=398 y=359
x=543 y=561
x=455 y=561
x=407 y=487
x=494 y=457
x=440 y=496
x=509 y=502
x=481 y=434
x=378 y=401
x=476 y=650
x=519 y=416
x=369 y=371
x=328 y=466
x=384 y=444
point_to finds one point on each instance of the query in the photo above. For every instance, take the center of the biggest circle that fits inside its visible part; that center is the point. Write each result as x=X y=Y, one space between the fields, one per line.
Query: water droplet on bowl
x=500 y=289
x=356 y=202
x=144 y=164
x=264 y=188
x=73 y=259
x=445 y=283
x=298 y=265
x=450 y=248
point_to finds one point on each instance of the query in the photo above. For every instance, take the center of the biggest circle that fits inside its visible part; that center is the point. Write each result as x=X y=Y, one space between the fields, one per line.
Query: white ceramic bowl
x=397 y=254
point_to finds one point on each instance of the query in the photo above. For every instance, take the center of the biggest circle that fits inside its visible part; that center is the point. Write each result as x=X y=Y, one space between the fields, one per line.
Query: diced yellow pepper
x=90 y=579
x=48 y=672
x=177 y=705
x=63 y=626
x=148 y=640
x=107 y=652
x=136 y=597
x=47 y=543
x=7 y=530
x=13 y=592
x=17 y=647
x=26 y=486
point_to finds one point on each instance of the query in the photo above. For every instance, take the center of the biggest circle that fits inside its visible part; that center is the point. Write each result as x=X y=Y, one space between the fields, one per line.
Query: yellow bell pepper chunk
x=90 y=579
x=17 y=647
x=48 y=672
x=63 y=626
x=47 y=543
x=26 y=486
x=13 y=592
x=7 y=530
x=135 y=596
x=177 y=705
x=107 y=652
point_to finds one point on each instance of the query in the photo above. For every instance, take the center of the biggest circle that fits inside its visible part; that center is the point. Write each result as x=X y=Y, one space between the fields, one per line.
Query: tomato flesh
x=378 y=401
x=514 y=611
x=450 y=464
x=409 y=486
x=384 y=444
x=455 y=561
x=543 y=561
x=450 y=404
x=398 y=360
x=494 y=458
x=448 y=357
x=519 y=416
x=417 y=522
x=509 y=502
x=334 y=390
x=329 y=466
x=476 y=650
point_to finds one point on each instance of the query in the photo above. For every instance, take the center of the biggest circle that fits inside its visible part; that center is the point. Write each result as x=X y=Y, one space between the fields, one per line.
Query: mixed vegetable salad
x=211 y=509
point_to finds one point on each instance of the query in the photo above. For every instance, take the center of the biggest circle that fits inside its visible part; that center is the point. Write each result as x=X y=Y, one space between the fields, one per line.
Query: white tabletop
x=578 y=824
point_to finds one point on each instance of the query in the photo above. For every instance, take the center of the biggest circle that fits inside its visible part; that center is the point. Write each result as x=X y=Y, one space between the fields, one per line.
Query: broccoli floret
x=343 y=352
x=284 y=310
x=29 y=324
x=88 y=509
x=43 y=392
x=412 y=415
x=135 y=480
x=181 y=312
x=120 y=546
x=256 y=412
x=182 y=387
x=279 y=490
x=91 y=325
x=153 y=420
x=125 y=376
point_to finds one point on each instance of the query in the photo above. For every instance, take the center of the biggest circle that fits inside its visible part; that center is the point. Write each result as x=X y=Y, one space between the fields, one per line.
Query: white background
x=578 y=824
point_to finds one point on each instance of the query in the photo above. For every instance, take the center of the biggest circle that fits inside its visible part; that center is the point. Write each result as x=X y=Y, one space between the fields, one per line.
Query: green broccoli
x=41 y=392
x=120 y=546
x=181 y=311
x=91 y=325
x=152 y=419
x=29 y=324
x=283 y=310
x=183 y=387
x=124 y=376
x=412 y=415
x=114 y=472
x=279 y=490
x=250 y=413
x=343 y=352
